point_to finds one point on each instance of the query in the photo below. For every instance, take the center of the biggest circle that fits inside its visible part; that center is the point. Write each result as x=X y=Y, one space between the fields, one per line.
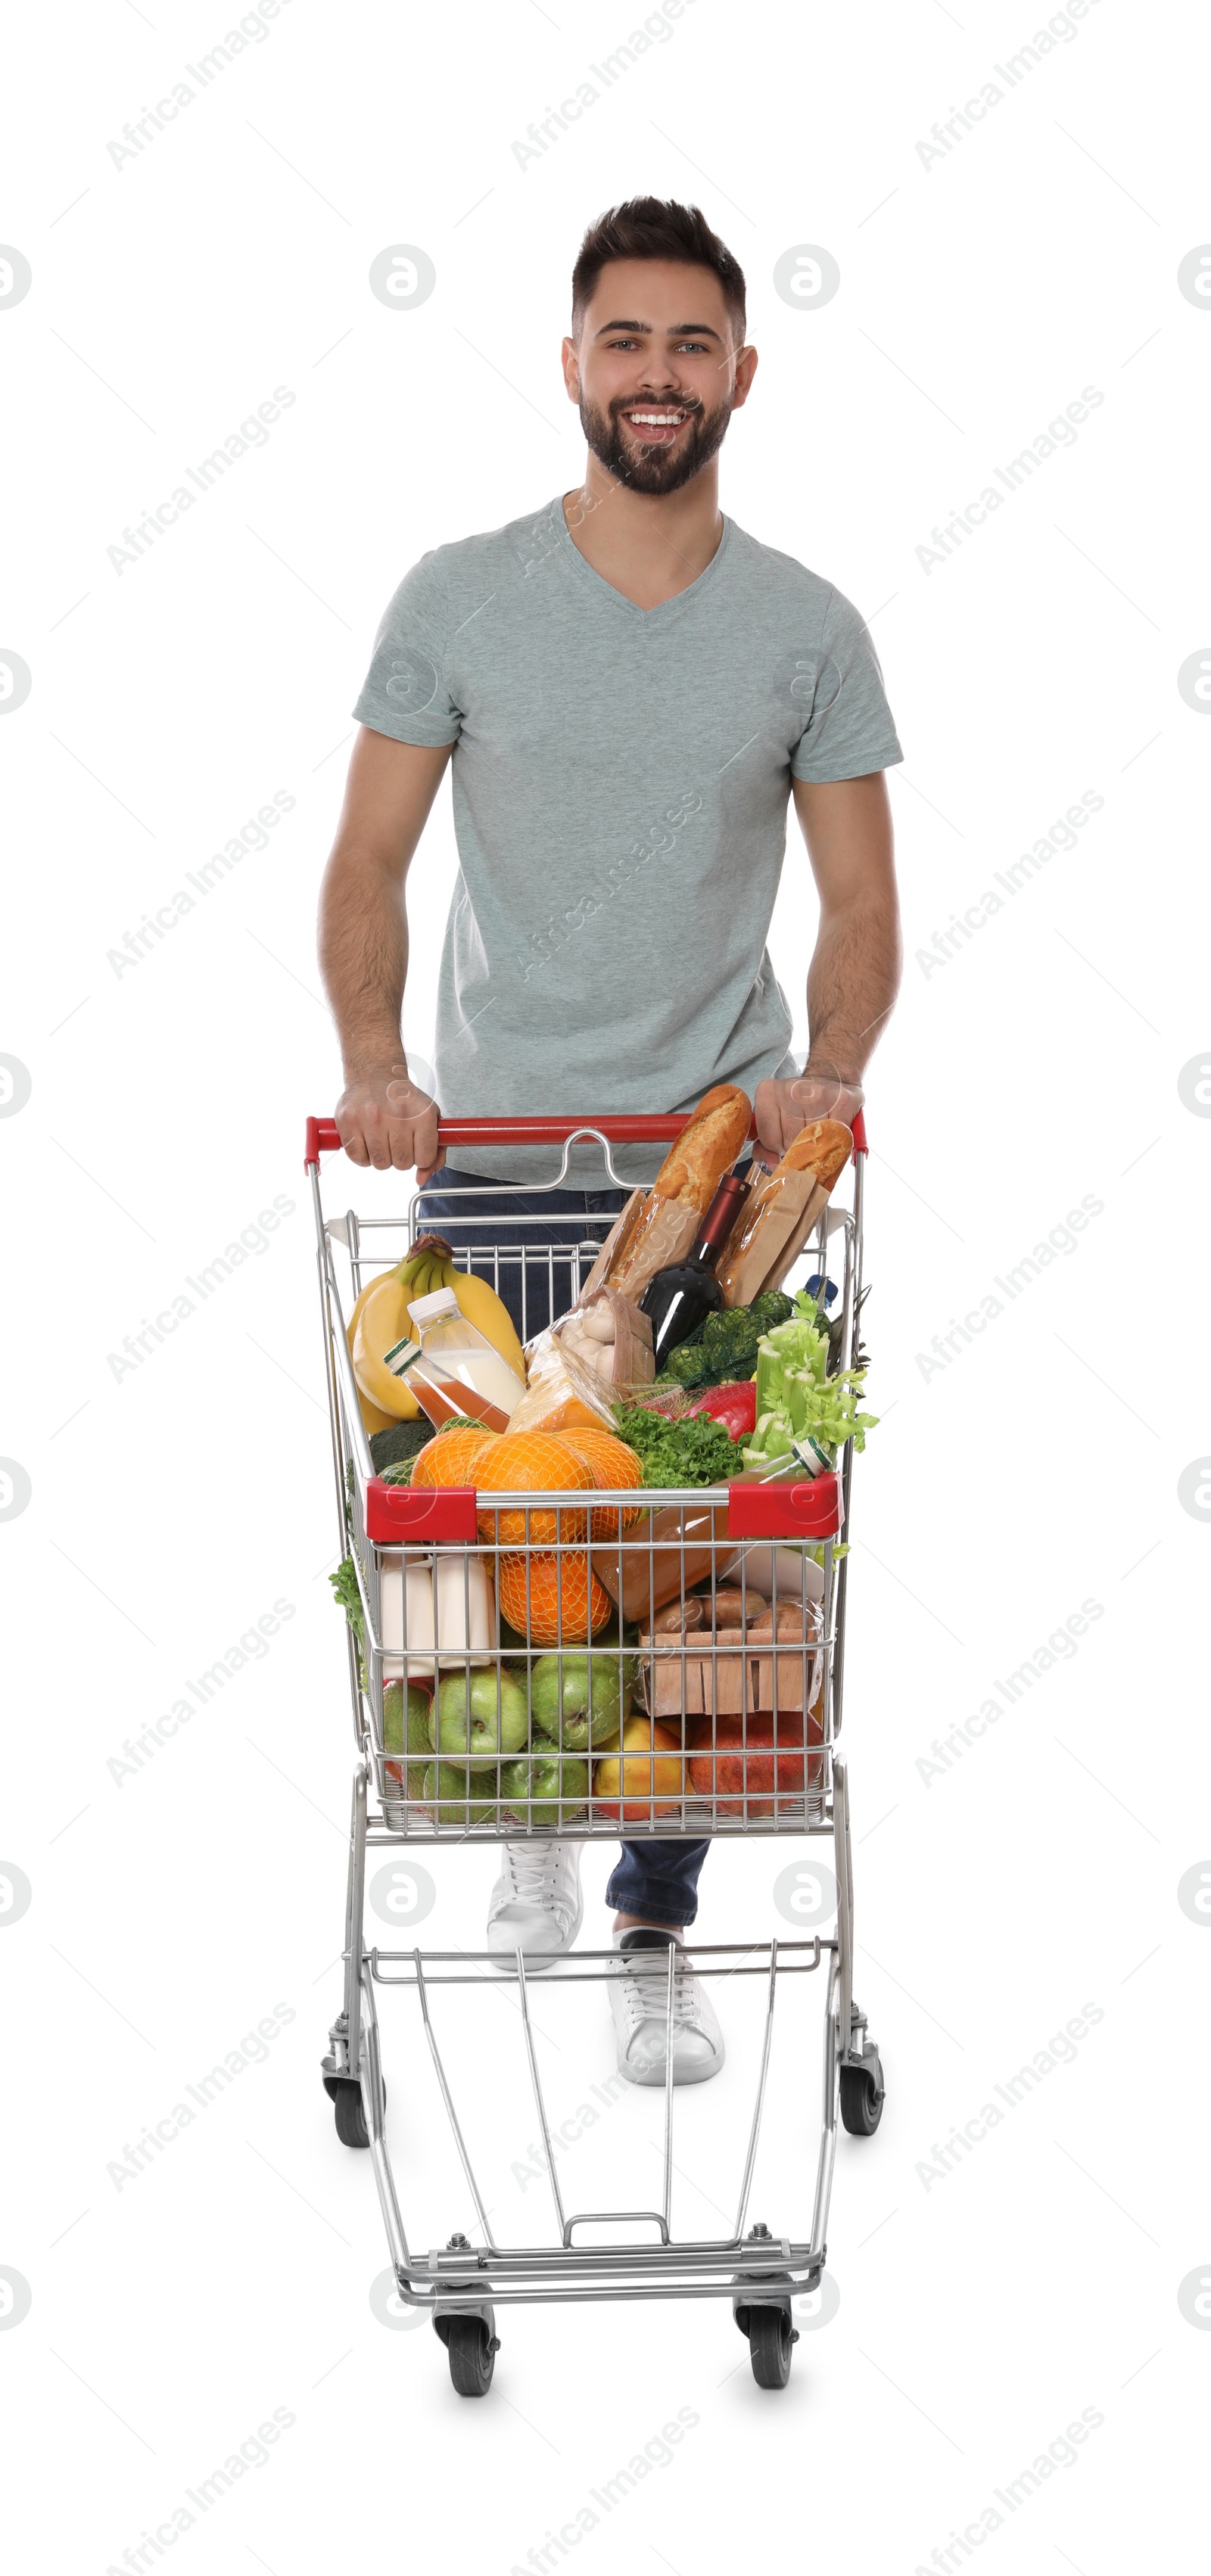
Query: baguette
x=706 y=1148
x=824 y=1147
x=613 y=1250
x=663 y=1233
x=658 y=1226
x=779 y=1214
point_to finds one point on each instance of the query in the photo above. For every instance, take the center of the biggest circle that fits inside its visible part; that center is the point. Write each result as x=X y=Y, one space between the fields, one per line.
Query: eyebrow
x=680 y=331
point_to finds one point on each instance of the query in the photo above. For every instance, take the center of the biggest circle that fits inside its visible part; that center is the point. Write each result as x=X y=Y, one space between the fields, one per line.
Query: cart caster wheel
x=473 y=2354
x=861 y=2100
x=350 y=2114
x=770 y=2338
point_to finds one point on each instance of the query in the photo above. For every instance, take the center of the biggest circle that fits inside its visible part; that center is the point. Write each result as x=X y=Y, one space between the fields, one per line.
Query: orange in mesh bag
x=554 y=1583
x=520 y=1462
x=453 y=1457
x=612 y=1464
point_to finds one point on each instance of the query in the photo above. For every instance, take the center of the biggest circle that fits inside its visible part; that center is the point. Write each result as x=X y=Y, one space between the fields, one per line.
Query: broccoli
x=773 y=1306
x=685 y=1367
x=726 y=1346
x=729 y=1344
x=401 y=1443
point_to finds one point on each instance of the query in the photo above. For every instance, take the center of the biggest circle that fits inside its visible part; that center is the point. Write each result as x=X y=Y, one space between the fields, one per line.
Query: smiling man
x=629 y=690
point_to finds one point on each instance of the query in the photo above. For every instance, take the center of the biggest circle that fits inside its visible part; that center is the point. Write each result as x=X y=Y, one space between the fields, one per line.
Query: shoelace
x=644 y=1983
x=532 y=1871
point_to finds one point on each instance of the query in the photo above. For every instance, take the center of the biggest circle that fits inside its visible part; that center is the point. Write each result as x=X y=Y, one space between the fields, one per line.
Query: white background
x=174 y=1908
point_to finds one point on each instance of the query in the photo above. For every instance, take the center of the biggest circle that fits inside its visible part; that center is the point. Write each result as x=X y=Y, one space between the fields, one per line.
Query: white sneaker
x=536 y=1904
x=639 y=2003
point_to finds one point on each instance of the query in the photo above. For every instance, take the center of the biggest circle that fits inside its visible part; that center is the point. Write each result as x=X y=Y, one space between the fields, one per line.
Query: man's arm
x=363 y=944
x=854 y=974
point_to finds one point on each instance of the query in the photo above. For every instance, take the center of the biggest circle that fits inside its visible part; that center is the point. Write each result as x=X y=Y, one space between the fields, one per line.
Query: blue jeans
x=560 y=1218
x=658 y=1880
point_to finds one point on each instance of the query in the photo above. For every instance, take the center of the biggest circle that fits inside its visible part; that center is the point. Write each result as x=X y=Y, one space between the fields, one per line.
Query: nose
x=664 y=392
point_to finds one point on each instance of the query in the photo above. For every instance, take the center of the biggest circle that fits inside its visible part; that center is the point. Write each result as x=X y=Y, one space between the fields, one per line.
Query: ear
x=746 y=369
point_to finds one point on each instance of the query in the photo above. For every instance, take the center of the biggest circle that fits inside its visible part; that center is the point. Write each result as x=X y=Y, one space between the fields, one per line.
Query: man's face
x=657 y=372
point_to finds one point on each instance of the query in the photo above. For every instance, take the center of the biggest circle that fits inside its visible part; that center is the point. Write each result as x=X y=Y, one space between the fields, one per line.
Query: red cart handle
x=323 y=1137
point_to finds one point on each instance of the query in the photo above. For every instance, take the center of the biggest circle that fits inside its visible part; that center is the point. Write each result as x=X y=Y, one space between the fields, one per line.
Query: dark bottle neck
x=717 y=1223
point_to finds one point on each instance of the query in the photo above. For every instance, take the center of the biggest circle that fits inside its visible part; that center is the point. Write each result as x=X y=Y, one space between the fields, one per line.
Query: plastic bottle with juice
x=452 y=1368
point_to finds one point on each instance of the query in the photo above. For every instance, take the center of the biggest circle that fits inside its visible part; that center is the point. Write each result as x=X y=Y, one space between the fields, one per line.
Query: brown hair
x=655 y=228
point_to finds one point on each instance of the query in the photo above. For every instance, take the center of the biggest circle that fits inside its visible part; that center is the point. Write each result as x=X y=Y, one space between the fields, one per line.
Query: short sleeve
x=405 y=692
x=849 y=731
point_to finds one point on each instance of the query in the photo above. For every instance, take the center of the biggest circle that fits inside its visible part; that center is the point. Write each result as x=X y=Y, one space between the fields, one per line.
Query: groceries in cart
x=381 y=1329
x=659 y=1226
x=609 y=1335
x=679 y=1299
x=698 y=1676
x=608 y=1654
x=453 y=1370
x=770 y=1220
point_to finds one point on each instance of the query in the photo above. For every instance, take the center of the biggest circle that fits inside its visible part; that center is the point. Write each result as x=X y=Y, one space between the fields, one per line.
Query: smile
x=656 y=427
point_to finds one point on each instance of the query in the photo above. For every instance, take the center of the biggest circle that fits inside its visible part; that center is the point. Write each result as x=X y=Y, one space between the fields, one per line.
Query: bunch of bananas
x=383 y=1316
x=429 y=1266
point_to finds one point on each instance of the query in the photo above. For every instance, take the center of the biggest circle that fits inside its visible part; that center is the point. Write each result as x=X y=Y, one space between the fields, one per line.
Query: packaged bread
x=614 y=1247
x=609 y=1336
x=782 y=1211
x=561 y=1393
x=658 y=1226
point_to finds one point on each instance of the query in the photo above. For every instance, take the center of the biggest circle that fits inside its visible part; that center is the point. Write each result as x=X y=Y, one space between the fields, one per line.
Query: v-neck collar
x=666 y=610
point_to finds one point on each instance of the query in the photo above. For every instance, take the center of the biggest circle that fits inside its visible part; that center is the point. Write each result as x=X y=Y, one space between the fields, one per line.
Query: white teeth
x=657 y=419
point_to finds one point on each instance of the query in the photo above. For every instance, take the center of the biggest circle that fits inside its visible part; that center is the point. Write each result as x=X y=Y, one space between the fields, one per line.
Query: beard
x=653 y=470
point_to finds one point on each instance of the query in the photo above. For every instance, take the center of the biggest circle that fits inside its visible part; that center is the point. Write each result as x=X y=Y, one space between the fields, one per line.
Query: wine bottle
x=680 y=1298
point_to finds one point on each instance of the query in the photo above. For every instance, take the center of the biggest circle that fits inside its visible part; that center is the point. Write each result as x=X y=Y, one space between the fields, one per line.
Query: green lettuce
x=695 y=1451
x=798 y=1403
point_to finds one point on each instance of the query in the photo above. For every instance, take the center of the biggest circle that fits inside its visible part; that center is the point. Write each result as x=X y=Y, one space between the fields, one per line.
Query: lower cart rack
x=461 y=2285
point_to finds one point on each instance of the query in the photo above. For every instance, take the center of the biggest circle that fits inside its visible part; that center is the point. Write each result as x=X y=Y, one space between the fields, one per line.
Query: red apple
x=741 y=1763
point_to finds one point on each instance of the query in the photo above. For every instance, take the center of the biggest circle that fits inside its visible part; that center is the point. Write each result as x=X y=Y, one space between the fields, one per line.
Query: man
x=630 y=687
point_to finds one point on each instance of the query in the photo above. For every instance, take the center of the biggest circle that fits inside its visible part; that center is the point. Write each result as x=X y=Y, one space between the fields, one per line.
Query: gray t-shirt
x=620 y=782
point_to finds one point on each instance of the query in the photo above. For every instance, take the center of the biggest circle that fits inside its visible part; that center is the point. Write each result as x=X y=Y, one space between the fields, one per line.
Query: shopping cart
x=754 y=1695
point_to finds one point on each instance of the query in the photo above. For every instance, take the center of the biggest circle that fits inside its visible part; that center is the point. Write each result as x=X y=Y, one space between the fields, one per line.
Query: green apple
x=457 y=1795
x=556 y=1787
x=406 y=1729
x=578 y=1698
x=480 y=1715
